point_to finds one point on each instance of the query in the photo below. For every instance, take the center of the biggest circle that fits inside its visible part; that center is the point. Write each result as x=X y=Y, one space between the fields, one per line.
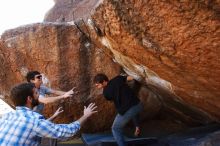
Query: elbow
x=44 y=101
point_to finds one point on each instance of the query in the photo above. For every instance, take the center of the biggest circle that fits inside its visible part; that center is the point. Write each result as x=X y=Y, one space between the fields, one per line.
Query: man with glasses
x=35 y=77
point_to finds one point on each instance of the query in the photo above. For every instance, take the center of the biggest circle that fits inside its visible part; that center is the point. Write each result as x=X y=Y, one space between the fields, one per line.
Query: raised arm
x=47 y=100
x=45 y=128
x=58 y=92
x=53 y=99
x=88 y=111
x=57 y=112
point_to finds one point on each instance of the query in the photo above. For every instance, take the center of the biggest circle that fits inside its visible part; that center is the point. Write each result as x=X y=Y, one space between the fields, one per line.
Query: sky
x=15 y=13
x=4 y=108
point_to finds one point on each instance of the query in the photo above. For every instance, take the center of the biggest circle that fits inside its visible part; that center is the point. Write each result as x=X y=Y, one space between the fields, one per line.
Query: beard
x=35 y=102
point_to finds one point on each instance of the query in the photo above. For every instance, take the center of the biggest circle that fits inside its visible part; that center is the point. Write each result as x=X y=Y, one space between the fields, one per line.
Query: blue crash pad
x=108 y=140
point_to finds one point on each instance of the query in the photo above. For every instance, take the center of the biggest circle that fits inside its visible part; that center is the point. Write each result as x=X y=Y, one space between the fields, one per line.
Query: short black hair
x=30 y=75
x=20 y=92
x=100 y=78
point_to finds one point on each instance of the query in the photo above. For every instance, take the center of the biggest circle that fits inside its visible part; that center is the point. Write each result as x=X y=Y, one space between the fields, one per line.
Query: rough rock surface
x=58 y=51
x=174 y=44
x=67 y=58
x=68 y=10
x=171 y=47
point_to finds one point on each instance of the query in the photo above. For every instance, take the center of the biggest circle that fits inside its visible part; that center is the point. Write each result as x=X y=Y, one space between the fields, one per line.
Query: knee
x=116 y=127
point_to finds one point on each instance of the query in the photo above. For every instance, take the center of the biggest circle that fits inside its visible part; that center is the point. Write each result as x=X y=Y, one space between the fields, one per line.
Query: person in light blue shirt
x=24 y=127
x=35 y=77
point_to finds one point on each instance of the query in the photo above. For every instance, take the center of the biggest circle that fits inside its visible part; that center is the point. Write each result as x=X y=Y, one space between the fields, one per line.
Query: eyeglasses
x=39 y=77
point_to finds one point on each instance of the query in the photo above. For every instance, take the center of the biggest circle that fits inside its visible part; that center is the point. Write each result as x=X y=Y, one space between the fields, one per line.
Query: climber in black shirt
x=126 y=102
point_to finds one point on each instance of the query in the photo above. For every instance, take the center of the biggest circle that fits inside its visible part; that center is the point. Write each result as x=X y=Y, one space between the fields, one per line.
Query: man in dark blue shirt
x=126 y=102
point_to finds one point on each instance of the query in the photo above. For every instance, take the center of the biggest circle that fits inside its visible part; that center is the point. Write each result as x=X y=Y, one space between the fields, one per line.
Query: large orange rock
x=174 y=45
x=67 y=58
x=171 y=46
x=68 y=10
x=63 y=54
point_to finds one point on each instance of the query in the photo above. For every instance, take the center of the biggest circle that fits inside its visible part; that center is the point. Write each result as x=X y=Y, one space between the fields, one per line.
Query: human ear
x=29 y=99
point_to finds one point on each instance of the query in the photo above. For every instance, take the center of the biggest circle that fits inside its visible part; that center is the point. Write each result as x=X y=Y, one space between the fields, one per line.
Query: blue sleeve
x=45 y=128
x=46 y=90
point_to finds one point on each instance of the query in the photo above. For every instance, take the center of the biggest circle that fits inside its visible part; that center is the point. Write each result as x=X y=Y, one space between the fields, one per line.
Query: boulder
x=170 y=47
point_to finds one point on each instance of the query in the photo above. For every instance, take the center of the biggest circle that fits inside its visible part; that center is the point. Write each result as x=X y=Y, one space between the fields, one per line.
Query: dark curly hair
x=100 y=78
x=20 y=92
x=30 y=75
